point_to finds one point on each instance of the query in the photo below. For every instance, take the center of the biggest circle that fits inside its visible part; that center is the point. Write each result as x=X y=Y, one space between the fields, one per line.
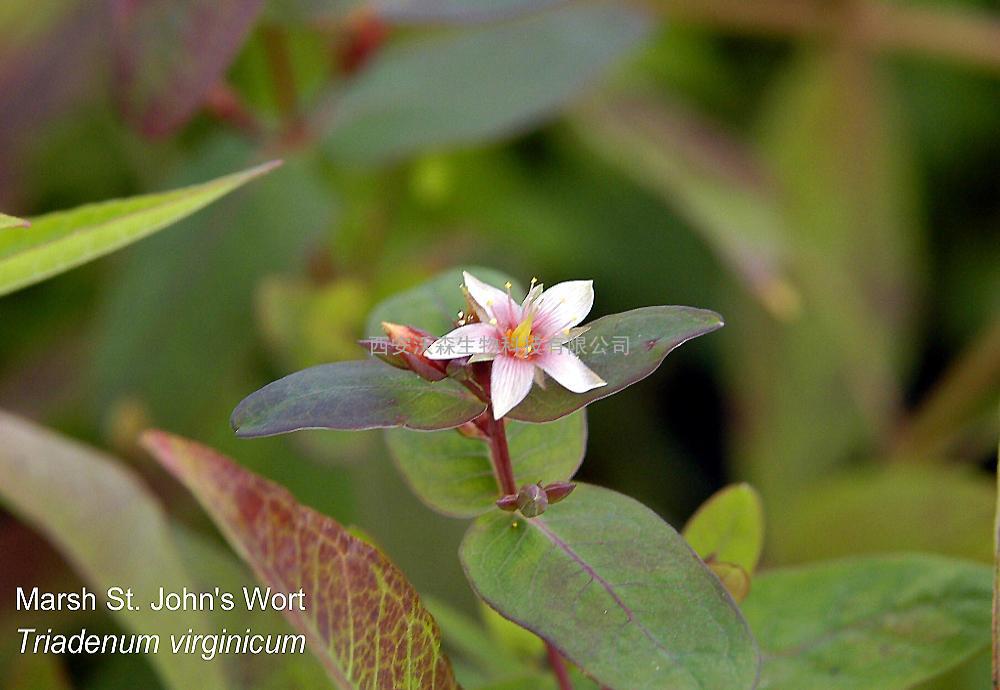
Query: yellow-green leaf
x=729 y=528
x=12 y=222
x=62 y=240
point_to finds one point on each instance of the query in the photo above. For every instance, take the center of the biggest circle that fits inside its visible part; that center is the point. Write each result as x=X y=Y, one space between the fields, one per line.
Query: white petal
x=510 y=383
x=565 y=336
x=497 y=303
x=532 y=295
x=569 y=371
x=563 y=306
x=462 y=342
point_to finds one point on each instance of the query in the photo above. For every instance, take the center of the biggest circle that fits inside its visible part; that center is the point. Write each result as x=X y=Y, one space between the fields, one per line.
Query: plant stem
x=558 y=667
x=500 y=453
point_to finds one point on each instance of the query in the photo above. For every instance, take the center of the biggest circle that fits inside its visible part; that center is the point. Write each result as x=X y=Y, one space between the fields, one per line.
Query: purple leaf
x=170 y=53
x=353 y=396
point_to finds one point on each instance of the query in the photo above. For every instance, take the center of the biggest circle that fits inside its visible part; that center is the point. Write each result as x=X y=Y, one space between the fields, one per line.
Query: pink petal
x=569 y=371
x=563 y=306
x=462 y=342
x=510 y=383
x=496 y=303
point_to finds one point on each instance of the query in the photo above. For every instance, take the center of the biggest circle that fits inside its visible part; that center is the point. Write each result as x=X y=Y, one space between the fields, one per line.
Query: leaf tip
x=267 y=167
x=157 y=443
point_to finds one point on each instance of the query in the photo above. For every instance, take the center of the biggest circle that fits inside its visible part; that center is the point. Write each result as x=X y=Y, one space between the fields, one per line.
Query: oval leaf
x=453 y=473
x=882 y=622
x=649 y=334
x=108 y=525
x=461 y=87
x=62 y=240
x=729 y=527
x=354 y=396
x=616 y=589
x=364 y=621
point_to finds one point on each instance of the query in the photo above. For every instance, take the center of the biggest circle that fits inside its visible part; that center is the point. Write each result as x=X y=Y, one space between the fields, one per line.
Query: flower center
x=520 y=341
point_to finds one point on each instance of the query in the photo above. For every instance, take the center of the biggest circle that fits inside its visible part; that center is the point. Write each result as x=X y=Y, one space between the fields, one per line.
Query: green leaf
x=709 y=178
x=649 y=333
x=936 y=508
x=62 y=240
x=12 y=222
x=34 y=671
x=616 y=590
x=466 y=637
x=882 y=622
x=354 y=395
x=364 y=621
x=433 y=305
x=510 y=636
x=453 y=473
x=107 y=524
x=462 y=87
x=729 y=527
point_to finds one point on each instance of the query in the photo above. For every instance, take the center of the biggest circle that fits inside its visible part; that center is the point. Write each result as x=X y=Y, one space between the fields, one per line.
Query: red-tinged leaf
x=458 y=11
x=363 y=620
x=169 y=55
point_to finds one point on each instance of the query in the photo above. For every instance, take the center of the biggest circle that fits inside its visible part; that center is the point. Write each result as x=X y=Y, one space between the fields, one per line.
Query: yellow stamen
x=520 y=339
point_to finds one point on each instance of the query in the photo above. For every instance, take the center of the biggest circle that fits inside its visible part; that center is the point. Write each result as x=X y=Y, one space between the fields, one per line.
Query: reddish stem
x=502 y=466
x=558 y=667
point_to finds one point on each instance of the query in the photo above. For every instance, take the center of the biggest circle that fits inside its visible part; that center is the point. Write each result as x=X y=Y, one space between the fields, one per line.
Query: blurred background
x=824 y=173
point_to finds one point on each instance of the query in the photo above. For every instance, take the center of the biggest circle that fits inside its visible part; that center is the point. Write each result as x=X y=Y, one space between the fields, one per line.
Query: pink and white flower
x=523 y=340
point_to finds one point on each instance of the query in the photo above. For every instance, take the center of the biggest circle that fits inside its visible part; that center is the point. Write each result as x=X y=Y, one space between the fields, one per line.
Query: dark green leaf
x=883 y=622
x=462 y=87
x=650 y=334
x=354 y=395
x=453 y=474
x=709 y=178
x=616 y=589
x=433 y=305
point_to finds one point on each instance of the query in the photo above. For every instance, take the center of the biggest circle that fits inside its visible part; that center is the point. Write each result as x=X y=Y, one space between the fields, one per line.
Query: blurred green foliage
x=824 y=174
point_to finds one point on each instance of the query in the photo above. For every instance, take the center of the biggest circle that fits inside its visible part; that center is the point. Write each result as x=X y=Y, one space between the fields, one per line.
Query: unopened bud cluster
x=534 y=499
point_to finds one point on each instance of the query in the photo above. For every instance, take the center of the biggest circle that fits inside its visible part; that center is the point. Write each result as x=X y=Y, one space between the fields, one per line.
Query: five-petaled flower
x=523 y=340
